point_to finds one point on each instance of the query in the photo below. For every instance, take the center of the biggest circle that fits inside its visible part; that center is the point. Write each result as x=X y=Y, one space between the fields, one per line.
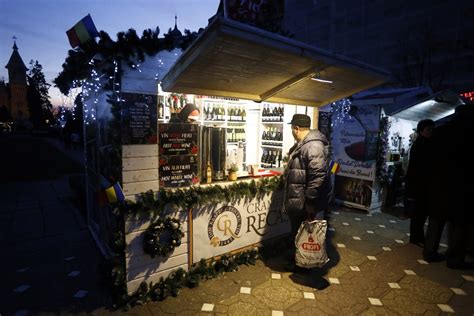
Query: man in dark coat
x=307 y=181
x=418 y=178
x=451 y=189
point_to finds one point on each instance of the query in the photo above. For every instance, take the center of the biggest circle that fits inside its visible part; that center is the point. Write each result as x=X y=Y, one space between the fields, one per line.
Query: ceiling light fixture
x=317 y=77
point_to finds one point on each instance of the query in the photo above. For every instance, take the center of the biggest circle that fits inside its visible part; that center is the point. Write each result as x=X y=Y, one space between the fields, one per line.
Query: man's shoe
x=434 y=258
x=321 y=283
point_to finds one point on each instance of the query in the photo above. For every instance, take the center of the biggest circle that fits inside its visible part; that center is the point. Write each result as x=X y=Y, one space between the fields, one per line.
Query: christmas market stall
x=162 y=198
x=371 y=135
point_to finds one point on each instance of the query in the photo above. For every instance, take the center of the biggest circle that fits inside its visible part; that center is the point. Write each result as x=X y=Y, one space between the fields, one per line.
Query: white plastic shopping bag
x=310 y=244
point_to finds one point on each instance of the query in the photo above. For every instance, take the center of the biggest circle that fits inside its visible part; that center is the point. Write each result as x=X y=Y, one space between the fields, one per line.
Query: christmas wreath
x=162 y=236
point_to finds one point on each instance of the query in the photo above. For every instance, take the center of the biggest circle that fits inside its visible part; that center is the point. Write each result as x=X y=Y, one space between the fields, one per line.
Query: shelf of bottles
x=272 y=136
x=220 y=110
x=271 y=158
x=235 y=134
x=272 y=113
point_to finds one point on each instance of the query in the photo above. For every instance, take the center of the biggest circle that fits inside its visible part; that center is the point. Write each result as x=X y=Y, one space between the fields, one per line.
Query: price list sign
x=178 y=161
x=139 y=118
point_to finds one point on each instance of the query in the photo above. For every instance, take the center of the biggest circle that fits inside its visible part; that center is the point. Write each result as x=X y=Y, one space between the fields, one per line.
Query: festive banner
x=355 y=141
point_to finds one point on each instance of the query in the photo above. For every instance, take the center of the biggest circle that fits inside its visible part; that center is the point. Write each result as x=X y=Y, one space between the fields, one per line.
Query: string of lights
x=340 y=110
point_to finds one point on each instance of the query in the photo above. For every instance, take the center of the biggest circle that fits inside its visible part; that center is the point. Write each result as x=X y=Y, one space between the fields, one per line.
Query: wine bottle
x=208 y=173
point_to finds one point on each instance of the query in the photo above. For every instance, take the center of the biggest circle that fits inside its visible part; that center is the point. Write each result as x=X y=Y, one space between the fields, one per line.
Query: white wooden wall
x=141 y=266
x=139 y=169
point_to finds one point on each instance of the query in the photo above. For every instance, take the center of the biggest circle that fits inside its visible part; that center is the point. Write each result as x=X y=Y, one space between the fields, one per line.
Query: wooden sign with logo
x=226 y=227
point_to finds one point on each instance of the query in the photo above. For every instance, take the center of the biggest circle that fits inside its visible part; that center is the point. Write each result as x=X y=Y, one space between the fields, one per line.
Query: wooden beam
x=288 y=83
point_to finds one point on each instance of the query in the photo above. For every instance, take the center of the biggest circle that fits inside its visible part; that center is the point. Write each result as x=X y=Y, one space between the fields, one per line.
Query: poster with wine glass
x=355 y=143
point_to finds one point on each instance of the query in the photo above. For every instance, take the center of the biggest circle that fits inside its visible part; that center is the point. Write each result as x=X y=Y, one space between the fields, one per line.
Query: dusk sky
x=40 y=26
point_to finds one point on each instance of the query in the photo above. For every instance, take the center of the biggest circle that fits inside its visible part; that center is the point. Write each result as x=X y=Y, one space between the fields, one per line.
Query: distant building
x=425 y=42
x=13 y=95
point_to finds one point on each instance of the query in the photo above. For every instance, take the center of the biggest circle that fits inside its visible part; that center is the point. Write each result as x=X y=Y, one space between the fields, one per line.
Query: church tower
x=18 y=86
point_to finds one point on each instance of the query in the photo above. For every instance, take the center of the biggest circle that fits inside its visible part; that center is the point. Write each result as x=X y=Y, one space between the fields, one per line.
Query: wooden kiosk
x=228 y=59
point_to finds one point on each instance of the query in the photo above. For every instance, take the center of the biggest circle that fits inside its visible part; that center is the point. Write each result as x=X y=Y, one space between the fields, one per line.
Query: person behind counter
x=188 y=114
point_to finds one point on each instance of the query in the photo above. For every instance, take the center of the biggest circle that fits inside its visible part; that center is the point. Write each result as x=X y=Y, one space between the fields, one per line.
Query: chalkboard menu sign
x=139 y=118
x=324 y=123
x=178 y=163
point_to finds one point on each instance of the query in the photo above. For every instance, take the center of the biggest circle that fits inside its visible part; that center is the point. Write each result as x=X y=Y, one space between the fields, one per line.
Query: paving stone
x=187 y=300
x=426 y=290
x=277 y=296
x=439 y=273
x=378 y=310
x=469 y=278
x=334 y=281
x=81 y=294
x=402 y=301
x=458 y=291
x=22 y=288
x=206 y=307
x=375 y=301
x=364 y=285
x=250 y=306
x=445 y=308
x=462 y=304
x=276 y=276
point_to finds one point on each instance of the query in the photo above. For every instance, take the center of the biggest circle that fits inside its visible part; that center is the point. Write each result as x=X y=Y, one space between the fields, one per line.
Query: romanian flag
x=82 y=32
x=334 y=167
x=115 y=193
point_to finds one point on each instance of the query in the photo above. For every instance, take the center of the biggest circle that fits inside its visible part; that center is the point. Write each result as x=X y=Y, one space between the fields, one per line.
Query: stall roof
x=237 y=60
x=434 y=107
x=413 y=104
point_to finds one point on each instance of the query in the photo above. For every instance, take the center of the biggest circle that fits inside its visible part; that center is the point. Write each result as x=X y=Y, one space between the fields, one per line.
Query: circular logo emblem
x=224 y=226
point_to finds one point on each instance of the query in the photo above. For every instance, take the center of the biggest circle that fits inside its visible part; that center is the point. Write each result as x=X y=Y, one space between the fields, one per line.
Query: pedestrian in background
x=307 y=181
x=451 y=189
x=417 y=180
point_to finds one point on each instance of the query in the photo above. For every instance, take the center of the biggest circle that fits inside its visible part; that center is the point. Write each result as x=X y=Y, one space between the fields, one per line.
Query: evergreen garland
x=171 y=286
x=150 y=202
x=128 y=47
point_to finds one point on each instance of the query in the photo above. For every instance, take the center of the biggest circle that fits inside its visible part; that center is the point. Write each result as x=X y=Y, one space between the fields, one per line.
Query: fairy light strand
x=340 y=110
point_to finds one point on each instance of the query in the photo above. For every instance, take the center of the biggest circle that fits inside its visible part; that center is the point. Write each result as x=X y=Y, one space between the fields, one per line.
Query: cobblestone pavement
x=373 y=270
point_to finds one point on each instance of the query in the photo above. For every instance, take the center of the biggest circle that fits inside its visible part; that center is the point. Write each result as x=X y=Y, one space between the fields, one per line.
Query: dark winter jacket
x=451 y=188
x=419 y=168
x=306 y=176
